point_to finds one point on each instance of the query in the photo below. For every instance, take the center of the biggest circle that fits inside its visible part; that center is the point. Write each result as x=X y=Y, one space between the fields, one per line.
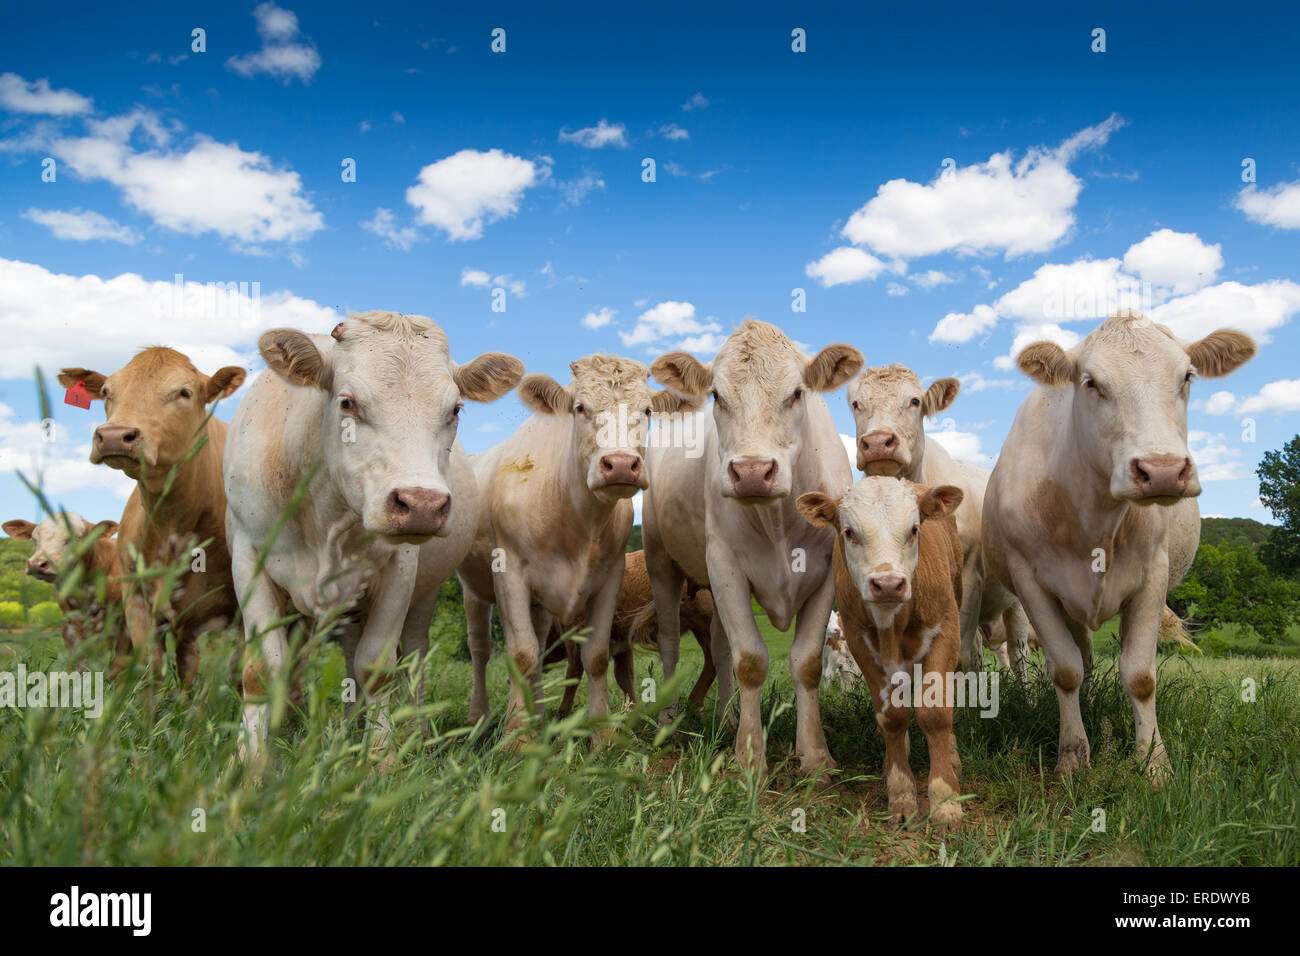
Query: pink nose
x=38 y=566
x=753 y=479
x=621 y=469
x=878 y=446
x=1161 y=477
x=887 y=587
x=117 y=440
x=419 y=511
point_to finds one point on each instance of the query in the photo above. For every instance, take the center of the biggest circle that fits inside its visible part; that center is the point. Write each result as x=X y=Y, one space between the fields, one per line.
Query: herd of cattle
x=340 y=493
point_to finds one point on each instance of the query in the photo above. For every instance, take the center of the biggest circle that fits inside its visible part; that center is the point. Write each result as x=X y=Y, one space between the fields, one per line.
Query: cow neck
x=1085 y=492
x=189 y=488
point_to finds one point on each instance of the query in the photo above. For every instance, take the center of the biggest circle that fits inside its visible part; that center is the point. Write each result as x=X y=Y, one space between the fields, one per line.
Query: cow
x=1091 y=510
x=889 y=410
x=554 y=518
x=723 y=516
x=897 y=569
x=364 y=420
x=67 y=544
x=160 y=432
x=635 y=625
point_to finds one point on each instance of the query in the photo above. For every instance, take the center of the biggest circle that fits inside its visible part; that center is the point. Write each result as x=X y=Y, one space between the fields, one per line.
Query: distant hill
x=1234 y=531
x=634 y=541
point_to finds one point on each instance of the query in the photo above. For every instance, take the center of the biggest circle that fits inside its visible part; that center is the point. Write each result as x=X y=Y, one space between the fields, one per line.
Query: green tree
x=1229 y=584
x=1279 y=490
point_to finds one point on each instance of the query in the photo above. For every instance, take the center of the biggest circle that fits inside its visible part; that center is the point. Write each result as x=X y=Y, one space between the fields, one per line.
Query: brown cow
x=636 y=623
x=897 y=566
x=160 y=432
x=54 y=553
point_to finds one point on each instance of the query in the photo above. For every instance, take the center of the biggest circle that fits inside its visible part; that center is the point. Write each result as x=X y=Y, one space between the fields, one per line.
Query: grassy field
x=137 y=787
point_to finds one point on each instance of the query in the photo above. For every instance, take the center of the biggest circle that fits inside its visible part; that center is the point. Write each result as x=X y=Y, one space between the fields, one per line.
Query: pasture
x=164 y=786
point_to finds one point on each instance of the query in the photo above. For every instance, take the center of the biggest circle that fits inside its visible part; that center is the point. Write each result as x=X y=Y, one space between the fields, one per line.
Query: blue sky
x=1075 y=177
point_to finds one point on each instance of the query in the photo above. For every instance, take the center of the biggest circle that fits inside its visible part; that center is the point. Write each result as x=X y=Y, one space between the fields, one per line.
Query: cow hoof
x=1159 y=772
x=900 y=811
x=817 y=763
x=947 y=815
x=1070 y=760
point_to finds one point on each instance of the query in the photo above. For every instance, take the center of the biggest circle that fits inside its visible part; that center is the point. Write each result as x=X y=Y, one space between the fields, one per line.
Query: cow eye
x=186 y=393
x=1188 y=377
x=580 y=408
x=455 y=412
x=916 y=403
x=915 y=530
x=855 y=405
x=347 y=404
x=798 y=394
x=849 y=535
x=1090 y=383
x=648 y=411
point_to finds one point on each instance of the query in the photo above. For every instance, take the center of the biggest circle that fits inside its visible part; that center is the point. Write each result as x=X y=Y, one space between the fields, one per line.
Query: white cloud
x=1177 y=261
x=964 y=446
x=282 y=55
x=1220 y=403
x=896 y=288
x=1215 y=459
x=964 y=326
x=1278 y=206
x=1281 y=396
x=598 y=319
x=698 y=101
x=673 y=131
x=844 y=264
x=475 y=277
x=211 y=187
x=1253 y=309
x=398 y=118
x=932 y=278
x=975 y=382
x=52 y=320
x=384 y=225
x=576 y=190
x=669 y=320
x=996 y=206
x=59 y=466
x=602 y=134
x=483 y=280
x=19 y=96
x=82 y=225
x=1036 y=332
x=466 y=190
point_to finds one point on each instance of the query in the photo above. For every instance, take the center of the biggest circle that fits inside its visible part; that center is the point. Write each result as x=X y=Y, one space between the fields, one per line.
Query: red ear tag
x=77 y=396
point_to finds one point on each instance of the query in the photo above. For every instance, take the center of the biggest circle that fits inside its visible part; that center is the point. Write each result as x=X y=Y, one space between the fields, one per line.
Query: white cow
x=726 y=518
x=1091 y=509
x=389 y=512
x=889 y=409
x=554 y=518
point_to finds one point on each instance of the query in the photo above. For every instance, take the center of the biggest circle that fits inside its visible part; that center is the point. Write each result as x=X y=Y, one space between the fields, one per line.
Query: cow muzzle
x=116 y=442
x=1165 y=477
x=621 y=469
x=878 y=453
x=752 y=478
x=40 y=568
x=888 y=588
x=416 y=512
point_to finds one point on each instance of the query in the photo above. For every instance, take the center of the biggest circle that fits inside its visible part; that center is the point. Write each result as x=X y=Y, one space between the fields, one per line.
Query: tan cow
x=160 y=432
x=1091 y=509
x=636 y=624
x=388 y=514
x=897 y=569
x=62 y=546
x=554 y=519
x=723 y=516
x=889 y=408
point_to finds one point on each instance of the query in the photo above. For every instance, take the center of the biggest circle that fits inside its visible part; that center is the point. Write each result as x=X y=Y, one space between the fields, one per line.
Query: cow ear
x=93 y=381
x=818 y=509
x=545 y=395
x=225 y=382
x=1047 y=364
x=669 y=402
x=488 y=377
x=683 y=373
x=1221 y=352
x=939 y=396
x=22 y=530
x=294 y=357
x=832 y=367
x=110 y=528
x=939 y=500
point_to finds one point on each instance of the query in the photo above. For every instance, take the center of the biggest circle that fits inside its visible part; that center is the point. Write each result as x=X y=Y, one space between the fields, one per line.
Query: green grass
x=124 y=789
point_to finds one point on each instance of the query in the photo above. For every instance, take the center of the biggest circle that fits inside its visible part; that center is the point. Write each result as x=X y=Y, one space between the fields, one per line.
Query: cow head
x=610 y=404
x=879 y=525
x=1131 y=380
x=390 y=419
x=51 y=540
x=155 y=407
x=758 y=382
x=889 y=408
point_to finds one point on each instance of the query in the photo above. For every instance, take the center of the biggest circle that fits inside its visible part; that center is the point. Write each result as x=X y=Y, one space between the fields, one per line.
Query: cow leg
x=1138 y=629
x=625 y=670
x=1016 y=626
x=266 y=647
x=187 y=657
x=1056 y=632
x=572 y=675
x=701 y=688
x=972 y=595
x=744 y=644
x=595 y=651
x=522 y=644
x=478 y=629
x=936 y=724
x=720 y=649
x=379 y=636
x=543 y=625
x=349 y=638
x=139 y=626
x=806 y=669
x=415 y=638
x=666 y=581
